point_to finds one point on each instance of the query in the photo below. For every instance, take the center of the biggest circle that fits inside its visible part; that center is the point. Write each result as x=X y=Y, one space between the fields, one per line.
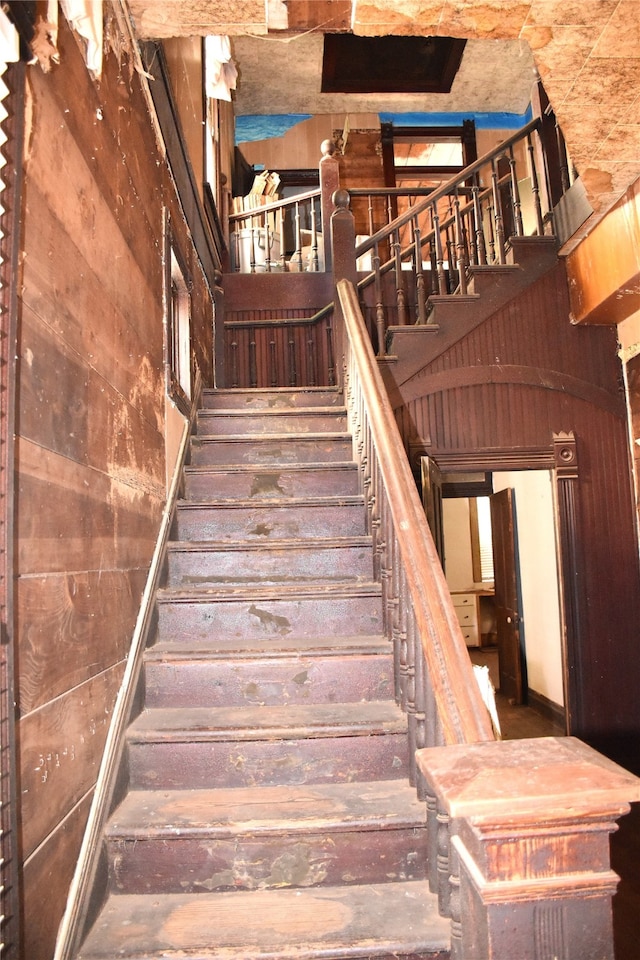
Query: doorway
x=499 y=547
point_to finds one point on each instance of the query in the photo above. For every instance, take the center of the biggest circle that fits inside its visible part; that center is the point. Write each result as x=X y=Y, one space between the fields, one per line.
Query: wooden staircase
x=268 y=813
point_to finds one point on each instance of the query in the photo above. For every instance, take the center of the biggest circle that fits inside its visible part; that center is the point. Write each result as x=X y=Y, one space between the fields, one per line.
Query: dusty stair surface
x=269 y=813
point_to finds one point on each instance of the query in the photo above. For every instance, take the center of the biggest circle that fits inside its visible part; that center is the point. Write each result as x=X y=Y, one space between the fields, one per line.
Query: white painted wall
x=541 y=621
x=457 y=543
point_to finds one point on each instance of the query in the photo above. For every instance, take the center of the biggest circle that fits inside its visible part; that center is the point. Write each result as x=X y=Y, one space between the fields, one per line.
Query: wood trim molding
x=155 y=64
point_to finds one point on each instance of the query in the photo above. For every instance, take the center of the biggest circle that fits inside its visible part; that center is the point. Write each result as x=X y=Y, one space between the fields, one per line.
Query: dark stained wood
x=58 y=641
x=507 y=600
x=12 y=177
x=61 y=749
x=45 y=885
x=118 y=523
x=326 y=921
x=444 y=407
x=90 y=426
x=530 y=821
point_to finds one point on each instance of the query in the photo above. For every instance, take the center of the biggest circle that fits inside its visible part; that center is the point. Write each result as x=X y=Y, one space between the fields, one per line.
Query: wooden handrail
x=461 y=711
x=448 y=187
x=274 y=205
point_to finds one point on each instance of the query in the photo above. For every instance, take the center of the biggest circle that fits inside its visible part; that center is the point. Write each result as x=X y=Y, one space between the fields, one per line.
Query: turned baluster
x=497 y=213
x=442 y=279
x=315 y=261
x=297 y=256
x=480 y=247
x=292 y=362
x=331 y=363
x=410 y=692
x=401 y=640
x=394 y=605
x=234 y=363
x=253 y=368
x=459 y=248
x=535 y=186
x=273 y=363
x=421 y=296
x=311 y=362
x=515 y=194
x=380 y=320
x=401 y=299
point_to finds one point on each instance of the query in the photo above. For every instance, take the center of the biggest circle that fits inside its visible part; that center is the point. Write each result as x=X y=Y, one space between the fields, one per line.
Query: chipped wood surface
x=265 y=925
x=90 y=455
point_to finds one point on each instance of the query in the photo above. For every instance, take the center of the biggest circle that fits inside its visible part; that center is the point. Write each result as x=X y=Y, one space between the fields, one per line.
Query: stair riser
x=284 y=450
x=274 y=484
x=270 y=399
x=209 y=423
x=264 y=522
x=209 y=568
x=170 y=765
x=206 y=865
x=218 y=683
x=308 y=617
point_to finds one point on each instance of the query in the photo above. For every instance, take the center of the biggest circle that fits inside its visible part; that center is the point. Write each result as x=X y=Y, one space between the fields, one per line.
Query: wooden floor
x=520 y=722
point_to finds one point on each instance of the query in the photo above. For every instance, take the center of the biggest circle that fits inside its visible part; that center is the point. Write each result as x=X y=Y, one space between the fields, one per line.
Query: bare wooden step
x=274 y=421
x=293 y=836
x=217 y=747
x=272 y=398
x=286 y=449
x=222 y=648
x=269 y=519
x=387 y=922
x=293 y=480
x=267 y=612
x=209 y=564
x=182 y=682
x=248 y=723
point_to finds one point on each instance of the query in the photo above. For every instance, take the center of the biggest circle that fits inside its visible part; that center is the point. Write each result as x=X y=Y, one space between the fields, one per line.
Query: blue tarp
x=263 y=127
x=483 y=121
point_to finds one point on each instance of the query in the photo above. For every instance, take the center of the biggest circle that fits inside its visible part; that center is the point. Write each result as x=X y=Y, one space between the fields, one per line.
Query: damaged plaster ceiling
x=283 y=75
x=587 y=53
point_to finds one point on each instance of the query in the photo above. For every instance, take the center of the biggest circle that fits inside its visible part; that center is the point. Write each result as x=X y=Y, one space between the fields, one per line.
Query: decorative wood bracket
x=565 y=455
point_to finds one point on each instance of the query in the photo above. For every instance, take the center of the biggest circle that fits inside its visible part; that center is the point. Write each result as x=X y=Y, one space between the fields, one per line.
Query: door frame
x=560 y=457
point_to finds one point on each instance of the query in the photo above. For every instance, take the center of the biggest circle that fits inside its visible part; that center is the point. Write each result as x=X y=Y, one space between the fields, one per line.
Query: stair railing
x=259 y=236
x=431 y=247
x=517 y=831
x=281 y=352
x=434 y=681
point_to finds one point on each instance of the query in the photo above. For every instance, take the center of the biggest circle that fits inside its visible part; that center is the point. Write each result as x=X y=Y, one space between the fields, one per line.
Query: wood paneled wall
x=90 y=454
x=522 y=375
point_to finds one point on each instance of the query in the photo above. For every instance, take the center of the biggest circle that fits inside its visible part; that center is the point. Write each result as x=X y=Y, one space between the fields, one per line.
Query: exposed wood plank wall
x=90 y=438
x=523 y=374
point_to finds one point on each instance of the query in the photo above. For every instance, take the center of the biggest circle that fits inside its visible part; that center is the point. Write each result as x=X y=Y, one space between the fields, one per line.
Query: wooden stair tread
x=291 y=722
x=270 y=437
x=273 y=503
x=241 y=546
x=260 y=468
x=267 y=412
x=377 y=920
x=378 y=805
x=278 y=591
x=220 y=648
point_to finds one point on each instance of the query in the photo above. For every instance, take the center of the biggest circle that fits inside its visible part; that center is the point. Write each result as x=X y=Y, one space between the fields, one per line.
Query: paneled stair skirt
x=269 y=813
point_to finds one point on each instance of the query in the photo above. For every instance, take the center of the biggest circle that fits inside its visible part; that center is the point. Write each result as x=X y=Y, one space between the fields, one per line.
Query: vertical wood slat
x=263 y=352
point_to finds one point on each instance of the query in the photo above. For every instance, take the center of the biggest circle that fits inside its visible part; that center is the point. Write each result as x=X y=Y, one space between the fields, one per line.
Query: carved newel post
x=529 y=825
x=329 y=183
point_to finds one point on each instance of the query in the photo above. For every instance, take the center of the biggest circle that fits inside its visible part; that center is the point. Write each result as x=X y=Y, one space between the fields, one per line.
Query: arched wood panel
x=523 y=375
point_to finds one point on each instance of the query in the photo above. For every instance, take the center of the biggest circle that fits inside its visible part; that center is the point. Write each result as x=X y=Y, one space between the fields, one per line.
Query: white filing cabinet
x=466 y=606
